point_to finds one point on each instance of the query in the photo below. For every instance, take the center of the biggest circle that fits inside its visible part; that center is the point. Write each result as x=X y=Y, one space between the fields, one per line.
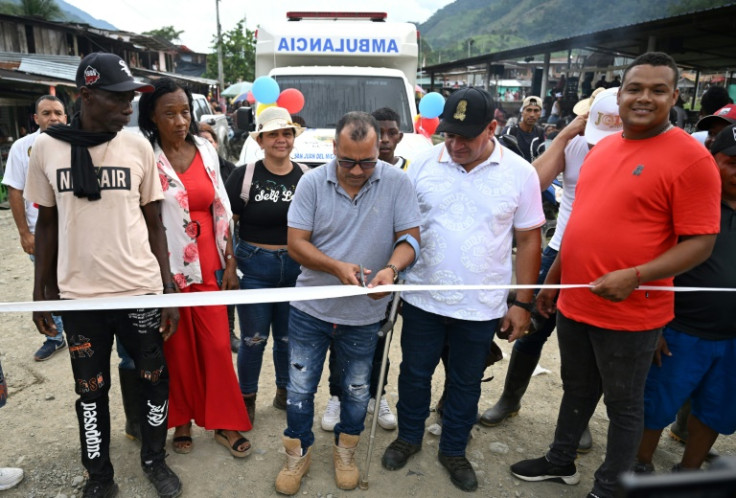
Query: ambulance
x=340 y=62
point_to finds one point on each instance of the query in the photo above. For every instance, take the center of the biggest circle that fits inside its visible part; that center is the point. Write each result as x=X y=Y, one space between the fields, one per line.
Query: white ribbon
x=255 y=296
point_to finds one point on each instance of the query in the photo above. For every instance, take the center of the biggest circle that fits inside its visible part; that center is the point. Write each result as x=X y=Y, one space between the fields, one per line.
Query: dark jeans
x=264 y=269
x=309 y=338
x=334 y=379
x=90 y=335
x=423 y=336
x=532 y=344
x=612 y=363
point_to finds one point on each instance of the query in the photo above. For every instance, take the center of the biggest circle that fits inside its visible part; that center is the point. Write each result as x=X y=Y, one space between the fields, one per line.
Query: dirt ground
x=38 y=428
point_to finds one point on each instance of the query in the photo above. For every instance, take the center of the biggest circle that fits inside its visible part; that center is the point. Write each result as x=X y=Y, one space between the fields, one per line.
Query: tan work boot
x=343 y=453
x=290 y=477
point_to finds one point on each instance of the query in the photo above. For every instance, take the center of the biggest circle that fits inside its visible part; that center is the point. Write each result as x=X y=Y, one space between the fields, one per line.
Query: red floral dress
x=203 y=386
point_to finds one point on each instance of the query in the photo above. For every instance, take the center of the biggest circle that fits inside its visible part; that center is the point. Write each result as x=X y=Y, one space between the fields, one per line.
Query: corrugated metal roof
x=158 y=74
x=56 y=69
x=6 y=75
x=18 y=57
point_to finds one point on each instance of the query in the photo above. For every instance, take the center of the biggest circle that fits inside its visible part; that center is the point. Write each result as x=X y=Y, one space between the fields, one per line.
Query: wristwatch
x=395 y=270
x=527 y=306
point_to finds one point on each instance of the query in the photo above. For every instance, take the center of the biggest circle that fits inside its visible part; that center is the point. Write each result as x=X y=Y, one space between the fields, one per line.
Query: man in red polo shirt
x=647 y=207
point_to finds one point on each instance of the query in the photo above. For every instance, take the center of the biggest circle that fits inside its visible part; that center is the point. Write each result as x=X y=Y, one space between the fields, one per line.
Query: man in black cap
x=99 y=234
x=475 y=196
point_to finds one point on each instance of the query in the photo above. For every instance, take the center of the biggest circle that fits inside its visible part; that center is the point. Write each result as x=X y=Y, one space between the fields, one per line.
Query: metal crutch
x=387 y=331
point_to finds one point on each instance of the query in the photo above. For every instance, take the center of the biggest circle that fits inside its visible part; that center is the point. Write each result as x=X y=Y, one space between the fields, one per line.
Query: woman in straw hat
x=260 y=194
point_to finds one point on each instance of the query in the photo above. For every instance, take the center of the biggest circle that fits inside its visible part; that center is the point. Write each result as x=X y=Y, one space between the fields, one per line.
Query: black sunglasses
x=363 y=163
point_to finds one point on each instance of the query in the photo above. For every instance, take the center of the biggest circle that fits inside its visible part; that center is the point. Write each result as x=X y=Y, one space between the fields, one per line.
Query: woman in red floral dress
x=196 y=214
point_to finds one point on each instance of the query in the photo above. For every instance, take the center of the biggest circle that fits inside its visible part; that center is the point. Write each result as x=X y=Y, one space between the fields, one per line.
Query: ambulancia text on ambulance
x=340 y=62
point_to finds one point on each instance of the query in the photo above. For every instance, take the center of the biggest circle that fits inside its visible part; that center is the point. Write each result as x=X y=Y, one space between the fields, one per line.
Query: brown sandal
x=183 y=444
x=221 y=438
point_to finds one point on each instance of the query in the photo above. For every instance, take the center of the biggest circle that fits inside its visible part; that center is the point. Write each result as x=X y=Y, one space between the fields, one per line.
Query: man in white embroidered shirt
x=475 y=196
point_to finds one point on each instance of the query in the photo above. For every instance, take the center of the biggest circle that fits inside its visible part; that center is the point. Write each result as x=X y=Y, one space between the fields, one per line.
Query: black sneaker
x=48 y=349
x=398 y=453
x=167 y=483
x=540 y=469
x=100 y=489
x=462 y=474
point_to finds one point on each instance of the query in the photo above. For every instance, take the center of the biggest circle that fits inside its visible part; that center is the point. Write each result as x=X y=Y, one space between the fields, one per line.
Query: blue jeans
x=263 y=269
x=612 y=363
x=423 y=336
x=532 y=344
x=309 y=339
x=57 y=320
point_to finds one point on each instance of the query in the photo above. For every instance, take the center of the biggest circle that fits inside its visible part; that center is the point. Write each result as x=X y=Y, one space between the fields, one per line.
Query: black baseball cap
x=467 y=112
x=108 y=72
x=725 y=142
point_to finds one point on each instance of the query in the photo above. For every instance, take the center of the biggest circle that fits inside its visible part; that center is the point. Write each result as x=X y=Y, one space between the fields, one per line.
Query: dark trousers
x=90 y=336
x=612 y=363
x=423 y=336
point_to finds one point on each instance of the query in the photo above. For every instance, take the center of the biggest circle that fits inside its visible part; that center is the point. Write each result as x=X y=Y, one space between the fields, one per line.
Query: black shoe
x=398 y=453
x=586 y=441
x=462 y=474
x=167 y=483
x=100 y=489
x=540 y=469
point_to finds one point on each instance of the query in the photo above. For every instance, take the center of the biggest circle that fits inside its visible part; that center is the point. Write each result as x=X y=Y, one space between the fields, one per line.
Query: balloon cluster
x=267 y=93
x=430 y=108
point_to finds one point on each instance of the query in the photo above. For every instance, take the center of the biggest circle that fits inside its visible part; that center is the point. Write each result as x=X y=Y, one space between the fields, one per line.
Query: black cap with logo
x=108 y=72
x=467 y=112
x=725 y=142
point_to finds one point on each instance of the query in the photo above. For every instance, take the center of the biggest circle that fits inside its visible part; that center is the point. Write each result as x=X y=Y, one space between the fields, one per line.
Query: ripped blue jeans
x=309 y=339
x=263 y=269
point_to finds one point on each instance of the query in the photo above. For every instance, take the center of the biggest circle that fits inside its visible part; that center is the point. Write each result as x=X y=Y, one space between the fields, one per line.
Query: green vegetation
x=238 y=55
x=168 y=33
x=45 y=9
x=485 y=26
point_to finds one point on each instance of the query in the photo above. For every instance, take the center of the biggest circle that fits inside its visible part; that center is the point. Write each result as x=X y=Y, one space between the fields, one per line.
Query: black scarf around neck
x=84 y=176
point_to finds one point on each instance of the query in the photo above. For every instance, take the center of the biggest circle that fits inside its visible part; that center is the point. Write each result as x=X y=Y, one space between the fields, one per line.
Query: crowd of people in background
x=181 y=219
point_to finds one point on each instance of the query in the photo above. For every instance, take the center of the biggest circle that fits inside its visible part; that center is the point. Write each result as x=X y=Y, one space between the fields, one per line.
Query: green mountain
x=480 y=26
x=68 y=13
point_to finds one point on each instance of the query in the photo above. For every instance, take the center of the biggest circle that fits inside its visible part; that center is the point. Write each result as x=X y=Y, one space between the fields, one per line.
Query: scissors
x=361 y=276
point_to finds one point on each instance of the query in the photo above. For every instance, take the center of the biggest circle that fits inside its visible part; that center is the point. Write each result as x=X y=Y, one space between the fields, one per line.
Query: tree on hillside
x=45 y=9
x=238 y=55
x=168 y=33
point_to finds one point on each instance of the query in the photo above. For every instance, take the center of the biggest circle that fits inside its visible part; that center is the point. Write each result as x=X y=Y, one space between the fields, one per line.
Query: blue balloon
x=265 y=90
x=431 y=105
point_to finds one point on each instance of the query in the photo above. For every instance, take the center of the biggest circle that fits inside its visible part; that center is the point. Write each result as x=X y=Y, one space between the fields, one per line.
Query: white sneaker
x=332 y=414
x=10 y=477
x=386 y=418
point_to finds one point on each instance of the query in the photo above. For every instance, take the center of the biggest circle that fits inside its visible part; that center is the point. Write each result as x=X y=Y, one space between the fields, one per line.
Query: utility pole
x=220 y=70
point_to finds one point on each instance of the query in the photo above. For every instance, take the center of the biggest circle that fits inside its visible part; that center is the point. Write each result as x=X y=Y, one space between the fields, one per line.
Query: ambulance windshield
x=328 y=97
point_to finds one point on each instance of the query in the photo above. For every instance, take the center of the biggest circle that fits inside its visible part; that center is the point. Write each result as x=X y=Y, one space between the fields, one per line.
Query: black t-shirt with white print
x=263 y=219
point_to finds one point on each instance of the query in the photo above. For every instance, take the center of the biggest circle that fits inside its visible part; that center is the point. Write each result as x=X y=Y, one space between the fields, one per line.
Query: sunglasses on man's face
x=363 y=163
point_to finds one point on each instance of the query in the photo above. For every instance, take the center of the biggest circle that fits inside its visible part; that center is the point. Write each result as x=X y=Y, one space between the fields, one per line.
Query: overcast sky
x=197 y=17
